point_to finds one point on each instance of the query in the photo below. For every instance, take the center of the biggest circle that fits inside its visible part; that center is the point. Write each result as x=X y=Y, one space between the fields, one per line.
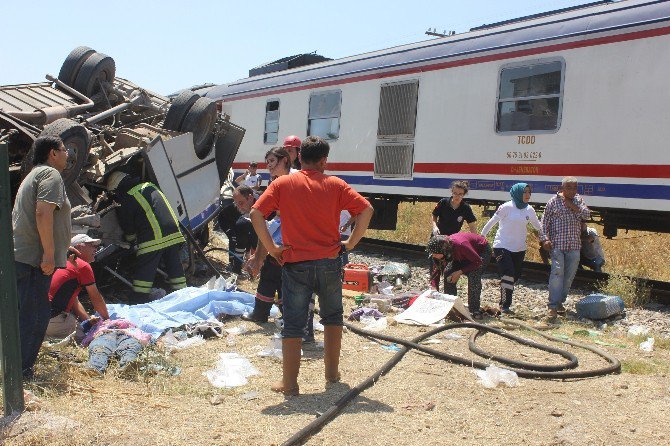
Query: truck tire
x=180 y=106
x=75 y=138
x=72 y=65
x=97 y=68
x=200 y=121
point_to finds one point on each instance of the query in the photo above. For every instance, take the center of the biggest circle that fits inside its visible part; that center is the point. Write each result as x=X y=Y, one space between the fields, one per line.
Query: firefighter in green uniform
x=147 y=218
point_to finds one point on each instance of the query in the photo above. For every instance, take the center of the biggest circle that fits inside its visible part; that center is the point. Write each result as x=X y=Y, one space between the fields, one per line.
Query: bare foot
x=280 y=388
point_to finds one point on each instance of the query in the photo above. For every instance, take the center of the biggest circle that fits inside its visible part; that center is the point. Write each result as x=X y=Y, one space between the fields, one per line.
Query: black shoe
x=252 y=318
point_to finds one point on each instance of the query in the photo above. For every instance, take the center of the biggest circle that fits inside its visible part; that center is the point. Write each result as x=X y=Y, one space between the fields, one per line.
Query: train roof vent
x=539 y=15
x=286 y=63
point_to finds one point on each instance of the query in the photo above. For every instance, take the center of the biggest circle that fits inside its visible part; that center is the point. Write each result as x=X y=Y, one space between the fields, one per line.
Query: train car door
x=394 y=151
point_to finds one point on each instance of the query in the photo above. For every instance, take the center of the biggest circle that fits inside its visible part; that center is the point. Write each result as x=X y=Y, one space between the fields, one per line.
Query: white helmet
x=114 y=179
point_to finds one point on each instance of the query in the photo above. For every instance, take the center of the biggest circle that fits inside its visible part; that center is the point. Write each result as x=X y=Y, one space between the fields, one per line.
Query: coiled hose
x=522 y=369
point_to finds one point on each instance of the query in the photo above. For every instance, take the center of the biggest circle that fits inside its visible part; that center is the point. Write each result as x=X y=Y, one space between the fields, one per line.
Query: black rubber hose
x=571 y=364
x=312 y=428
x=613 y=367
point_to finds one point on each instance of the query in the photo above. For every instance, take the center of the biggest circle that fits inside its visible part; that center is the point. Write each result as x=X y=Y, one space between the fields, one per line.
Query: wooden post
x=10 y=347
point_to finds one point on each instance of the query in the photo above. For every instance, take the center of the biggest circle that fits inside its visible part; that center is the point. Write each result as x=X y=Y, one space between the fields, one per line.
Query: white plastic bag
x=240 y=329
x=493 y=376
x=372 y=324
x=216 y=283
x=637 y=330
x=172 y=344
x=231 y=370
x=274 y=349
x=648 y=345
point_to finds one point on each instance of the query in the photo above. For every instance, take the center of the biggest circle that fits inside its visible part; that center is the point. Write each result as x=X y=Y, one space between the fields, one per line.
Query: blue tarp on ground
x=181 y=307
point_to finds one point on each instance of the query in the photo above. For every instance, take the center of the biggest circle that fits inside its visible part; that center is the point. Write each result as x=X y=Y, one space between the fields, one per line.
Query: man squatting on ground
x=310 y=203
x=245 y=237
x=562 y=224
x=67 y=284
x=41 y=224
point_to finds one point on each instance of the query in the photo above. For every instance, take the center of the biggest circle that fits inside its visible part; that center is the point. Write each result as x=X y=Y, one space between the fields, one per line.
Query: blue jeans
x=563 y=269
x=595 y=264
x=106 y=345
x=32 y=287
x=299 y=280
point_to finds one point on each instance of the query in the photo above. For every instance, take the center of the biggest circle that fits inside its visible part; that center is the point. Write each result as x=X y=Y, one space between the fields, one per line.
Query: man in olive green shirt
x=41 y=225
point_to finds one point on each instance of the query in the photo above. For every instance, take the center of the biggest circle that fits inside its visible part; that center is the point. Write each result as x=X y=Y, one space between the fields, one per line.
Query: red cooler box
x=357 y=277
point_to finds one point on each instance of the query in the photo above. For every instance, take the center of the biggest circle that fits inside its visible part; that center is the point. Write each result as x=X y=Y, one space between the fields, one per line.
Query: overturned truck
x=183 y=145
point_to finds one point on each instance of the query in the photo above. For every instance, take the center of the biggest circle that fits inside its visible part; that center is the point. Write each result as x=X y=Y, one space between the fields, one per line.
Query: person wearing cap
x=250 y=178
x=458 y=254
x=146 y=217
x=67 y=283
x=41 y=227
x=292 y=146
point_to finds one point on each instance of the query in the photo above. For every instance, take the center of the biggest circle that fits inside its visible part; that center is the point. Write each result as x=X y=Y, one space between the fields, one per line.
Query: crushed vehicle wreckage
x=183 y=145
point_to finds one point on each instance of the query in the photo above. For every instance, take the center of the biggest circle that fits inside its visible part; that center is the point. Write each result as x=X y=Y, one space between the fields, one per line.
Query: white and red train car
x=582 y=92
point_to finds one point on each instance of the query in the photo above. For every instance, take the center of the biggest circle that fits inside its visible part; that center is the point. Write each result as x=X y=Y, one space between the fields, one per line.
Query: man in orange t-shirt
x=310 y=203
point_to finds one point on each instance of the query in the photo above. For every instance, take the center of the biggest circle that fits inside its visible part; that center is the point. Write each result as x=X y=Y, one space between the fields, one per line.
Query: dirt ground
x=422 y=401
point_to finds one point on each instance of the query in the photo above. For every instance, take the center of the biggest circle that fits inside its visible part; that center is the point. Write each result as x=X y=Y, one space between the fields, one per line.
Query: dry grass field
x=633 y=253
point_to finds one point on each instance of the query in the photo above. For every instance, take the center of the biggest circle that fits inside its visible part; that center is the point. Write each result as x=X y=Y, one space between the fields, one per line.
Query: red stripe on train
x=656 y=32
x=558 y=170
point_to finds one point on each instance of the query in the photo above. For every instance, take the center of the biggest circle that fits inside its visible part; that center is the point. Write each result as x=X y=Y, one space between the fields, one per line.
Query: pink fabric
x=116 y=324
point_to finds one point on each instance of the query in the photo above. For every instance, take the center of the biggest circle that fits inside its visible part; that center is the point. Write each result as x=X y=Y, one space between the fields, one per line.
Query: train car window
x=324 y=114
x=397 y=109
x=530 y=97
x=271 y=122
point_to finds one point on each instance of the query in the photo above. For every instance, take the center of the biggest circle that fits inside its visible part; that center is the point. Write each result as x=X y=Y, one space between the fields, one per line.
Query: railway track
x=532 y=271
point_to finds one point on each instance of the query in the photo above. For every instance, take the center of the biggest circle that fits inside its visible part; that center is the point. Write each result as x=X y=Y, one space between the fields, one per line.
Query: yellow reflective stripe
x=177 y=279
x=136 y=192
x=142 y=286
x=167 y=203
x=142 y=283
x=155 y=245
x=178 y=286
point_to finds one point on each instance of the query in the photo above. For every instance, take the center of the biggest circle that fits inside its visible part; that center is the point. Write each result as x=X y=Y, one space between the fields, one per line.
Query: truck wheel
x=200 y=120
x=180 y=106
x=97 y=68
x=77 y=141
x=73 y=62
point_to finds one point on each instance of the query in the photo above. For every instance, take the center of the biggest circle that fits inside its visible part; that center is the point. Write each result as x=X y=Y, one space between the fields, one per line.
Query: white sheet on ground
x=431 y=307
x=181 y=307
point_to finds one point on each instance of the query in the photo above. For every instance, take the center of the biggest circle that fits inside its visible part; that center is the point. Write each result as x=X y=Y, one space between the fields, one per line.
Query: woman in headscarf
x=509 y=245
x=458 y=254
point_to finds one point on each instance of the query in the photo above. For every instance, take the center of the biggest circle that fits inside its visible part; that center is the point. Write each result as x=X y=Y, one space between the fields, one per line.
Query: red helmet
x=292 y=141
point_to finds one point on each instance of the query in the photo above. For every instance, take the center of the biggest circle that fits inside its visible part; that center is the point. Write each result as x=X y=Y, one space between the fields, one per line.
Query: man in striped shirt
x=562 y=222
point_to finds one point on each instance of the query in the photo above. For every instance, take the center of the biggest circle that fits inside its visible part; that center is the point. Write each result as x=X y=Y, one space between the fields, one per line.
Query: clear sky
x=168 y=45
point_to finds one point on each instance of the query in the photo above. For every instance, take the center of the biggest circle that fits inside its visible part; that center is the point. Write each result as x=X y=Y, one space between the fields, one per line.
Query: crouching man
x=66 y=285
x=310 y=203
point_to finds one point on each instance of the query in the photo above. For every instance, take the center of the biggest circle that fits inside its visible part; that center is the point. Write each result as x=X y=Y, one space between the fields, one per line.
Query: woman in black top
x=449 y=215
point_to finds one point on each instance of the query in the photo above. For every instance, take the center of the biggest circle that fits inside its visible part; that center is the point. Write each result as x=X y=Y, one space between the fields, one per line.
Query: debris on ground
x=231 y=370
x=493 y=376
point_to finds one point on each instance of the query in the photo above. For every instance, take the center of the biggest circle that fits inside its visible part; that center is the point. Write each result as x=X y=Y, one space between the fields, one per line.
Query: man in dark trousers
x=310 y=204
x=41 y=225
x=147 y=218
